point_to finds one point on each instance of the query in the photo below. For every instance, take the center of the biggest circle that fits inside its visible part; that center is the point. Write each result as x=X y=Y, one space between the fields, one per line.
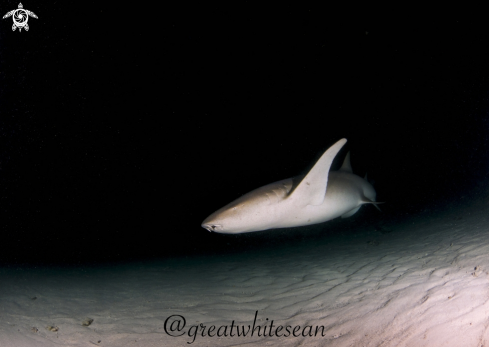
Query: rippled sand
x=426 y=283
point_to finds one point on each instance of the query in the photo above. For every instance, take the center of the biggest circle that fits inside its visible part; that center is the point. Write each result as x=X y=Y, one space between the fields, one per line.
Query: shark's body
x=315 y=198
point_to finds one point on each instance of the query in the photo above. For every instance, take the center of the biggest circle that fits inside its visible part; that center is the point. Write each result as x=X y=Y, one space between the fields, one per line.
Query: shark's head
x=251 y=212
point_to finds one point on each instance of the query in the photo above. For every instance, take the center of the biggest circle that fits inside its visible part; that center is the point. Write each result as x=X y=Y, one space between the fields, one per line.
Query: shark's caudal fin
x=346 y=164
x=312 y=189
x=366 y=200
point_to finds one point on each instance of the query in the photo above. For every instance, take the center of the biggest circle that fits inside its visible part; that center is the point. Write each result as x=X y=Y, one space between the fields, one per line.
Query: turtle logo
x=20 y=17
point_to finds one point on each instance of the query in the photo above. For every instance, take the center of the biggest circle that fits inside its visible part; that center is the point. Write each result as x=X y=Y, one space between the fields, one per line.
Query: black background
x=123 y=127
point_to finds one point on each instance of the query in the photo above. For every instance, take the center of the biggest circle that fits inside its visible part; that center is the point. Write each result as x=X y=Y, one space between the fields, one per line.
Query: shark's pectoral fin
x=351 y=213
x=312 y=189
x=366 y=200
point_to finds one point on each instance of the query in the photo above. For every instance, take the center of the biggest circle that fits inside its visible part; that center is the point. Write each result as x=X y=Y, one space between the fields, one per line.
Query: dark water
x=118 y=139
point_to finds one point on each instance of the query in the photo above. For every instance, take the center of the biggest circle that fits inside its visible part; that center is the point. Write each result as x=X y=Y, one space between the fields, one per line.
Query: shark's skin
x=315 y=198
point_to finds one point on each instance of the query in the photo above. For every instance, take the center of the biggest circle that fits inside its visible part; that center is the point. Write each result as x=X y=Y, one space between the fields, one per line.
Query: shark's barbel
x=319 y=196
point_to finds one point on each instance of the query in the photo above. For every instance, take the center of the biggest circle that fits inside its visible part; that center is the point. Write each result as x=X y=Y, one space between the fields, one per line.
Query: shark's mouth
x=212 y=227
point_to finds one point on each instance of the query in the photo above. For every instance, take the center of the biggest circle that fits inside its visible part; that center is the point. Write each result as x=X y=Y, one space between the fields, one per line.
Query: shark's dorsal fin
x=346 y=164
x=312 y=189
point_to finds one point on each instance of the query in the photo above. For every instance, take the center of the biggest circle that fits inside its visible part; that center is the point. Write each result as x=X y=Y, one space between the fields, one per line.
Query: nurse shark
x=317 y=197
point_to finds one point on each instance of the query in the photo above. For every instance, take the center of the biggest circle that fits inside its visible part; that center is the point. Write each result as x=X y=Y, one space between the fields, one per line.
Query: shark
x=319 y=196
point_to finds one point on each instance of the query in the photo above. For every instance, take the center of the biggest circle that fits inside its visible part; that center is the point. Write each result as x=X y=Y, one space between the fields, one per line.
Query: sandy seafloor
x=425 y=283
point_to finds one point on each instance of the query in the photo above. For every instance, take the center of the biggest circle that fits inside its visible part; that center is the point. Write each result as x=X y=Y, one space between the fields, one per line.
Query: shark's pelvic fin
x=346 y=164
x=312 y=189
x=351 y=213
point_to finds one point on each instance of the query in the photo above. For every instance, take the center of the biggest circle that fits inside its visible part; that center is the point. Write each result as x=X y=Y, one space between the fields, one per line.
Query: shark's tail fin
x=366 y=200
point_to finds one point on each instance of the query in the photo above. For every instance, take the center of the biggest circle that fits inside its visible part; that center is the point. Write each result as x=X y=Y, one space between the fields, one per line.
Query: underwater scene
x=241 y=176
